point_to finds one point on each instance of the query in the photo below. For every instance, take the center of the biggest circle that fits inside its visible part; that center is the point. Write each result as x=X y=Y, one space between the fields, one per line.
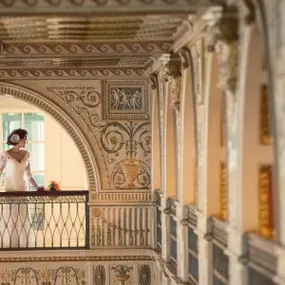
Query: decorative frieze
x=135 y=198
x=68 y=73
x=98 y=7
x=39 y=49
x=127 y=272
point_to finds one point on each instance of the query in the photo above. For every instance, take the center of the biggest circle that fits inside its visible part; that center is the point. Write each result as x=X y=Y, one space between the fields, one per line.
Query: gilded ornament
x=223 y=193
x=264 y=127
x=266 y=212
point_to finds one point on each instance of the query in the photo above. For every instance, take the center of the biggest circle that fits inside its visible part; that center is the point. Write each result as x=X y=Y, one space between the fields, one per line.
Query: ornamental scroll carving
x=125 y=145
x=44 y=276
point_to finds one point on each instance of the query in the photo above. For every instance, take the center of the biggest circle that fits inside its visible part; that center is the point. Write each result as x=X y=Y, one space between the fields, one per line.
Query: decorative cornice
x=74 y=258
x=62 y=73
x=36 y=49
x=57 y=7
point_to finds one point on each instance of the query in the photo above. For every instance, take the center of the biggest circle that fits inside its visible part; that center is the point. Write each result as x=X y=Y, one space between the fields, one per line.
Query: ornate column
x=223 y=39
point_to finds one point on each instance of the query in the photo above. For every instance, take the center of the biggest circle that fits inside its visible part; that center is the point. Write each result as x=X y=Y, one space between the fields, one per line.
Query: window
x=34 y=124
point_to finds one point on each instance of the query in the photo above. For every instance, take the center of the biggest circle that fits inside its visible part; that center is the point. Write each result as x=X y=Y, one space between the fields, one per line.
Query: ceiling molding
x=56 y=7
x=77 y=49
x=65 y=73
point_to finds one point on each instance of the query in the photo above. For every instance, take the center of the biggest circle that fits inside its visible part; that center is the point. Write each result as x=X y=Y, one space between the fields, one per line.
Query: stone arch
x=262 y=24
x=40 y=101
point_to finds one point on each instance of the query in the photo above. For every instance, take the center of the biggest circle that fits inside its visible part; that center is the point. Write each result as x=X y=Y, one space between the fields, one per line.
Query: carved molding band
x=112 y=48
x=64 y=119
x=114 y=198
x=103 y=6
x=58 y=73
x=74 y=258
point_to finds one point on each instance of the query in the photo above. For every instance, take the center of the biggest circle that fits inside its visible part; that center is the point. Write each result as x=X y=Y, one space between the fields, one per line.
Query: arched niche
x=188 y=136
x=65 y=120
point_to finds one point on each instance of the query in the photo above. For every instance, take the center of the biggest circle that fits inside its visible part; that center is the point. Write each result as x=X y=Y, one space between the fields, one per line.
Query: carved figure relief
x=125 y=145
x=125 y=100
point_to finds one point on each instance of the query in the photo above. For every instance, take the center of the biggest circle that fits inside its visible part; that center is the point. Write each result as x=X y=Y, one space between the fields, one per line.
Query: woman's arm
x=30 y=176
x=3 y=162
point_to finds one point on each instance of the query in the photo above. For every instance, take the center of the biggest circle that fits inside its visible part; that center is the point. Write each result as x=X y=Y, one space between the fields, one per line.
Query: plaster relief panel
x=117 y=114
x=43 y=276
x=125 y=100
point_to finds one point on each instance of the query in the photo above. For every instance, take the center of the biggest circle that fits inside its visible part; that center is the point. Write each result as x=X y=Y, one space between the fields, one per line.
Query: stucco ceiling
x=163 y=27
x=52 y=42
x=81 y=42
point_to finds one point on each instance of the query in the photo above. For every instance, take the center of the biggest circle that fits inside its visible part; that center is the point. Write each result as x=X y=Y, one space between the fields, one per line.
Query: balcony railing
x=44 y=220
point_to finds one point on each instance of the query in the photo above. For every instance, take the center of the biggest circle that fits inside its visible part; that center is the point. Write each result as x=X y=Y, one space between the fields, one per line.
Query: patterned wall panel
x=108 y=272
x=117 y=113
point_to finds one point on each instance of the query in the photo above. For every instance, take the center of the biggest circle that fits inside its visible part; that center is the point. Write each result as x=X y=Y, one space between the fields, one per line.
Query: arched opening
x=257 y=149
x=188 y=154
x=63 y=119
x=215 y=142
x=50 y=146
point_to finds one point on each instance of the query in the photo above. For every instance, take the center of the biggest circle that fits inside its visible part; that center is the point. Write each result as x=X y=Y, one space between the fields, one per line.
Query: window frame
x=30 y=142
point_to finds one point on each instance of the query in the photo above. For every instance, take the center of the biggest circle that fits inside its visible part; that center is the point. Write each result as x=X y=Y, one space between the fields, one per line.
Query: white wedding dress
x=15 y=223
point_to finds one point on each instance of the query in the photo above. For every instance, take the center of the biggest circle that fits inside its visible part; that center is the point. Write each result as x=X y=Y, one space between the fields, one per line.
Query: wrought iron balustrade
x=173 y=242
x=158 y=230
x=193 y=261
x=44 y=220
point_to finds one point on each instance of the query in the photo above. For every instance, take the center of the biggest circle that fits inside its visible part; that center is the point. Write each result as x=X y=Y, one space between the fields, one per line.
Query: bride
x=16 y=230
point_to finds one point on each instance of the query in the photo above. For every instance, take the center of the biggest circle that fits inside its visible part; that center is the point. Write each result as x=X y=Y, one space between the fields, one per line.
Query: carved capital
x=153 y=80
x=222 y=33
x=174 y=89
x=173 y=76
x=250 y=16
x=185 y=56
x=222 y=28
